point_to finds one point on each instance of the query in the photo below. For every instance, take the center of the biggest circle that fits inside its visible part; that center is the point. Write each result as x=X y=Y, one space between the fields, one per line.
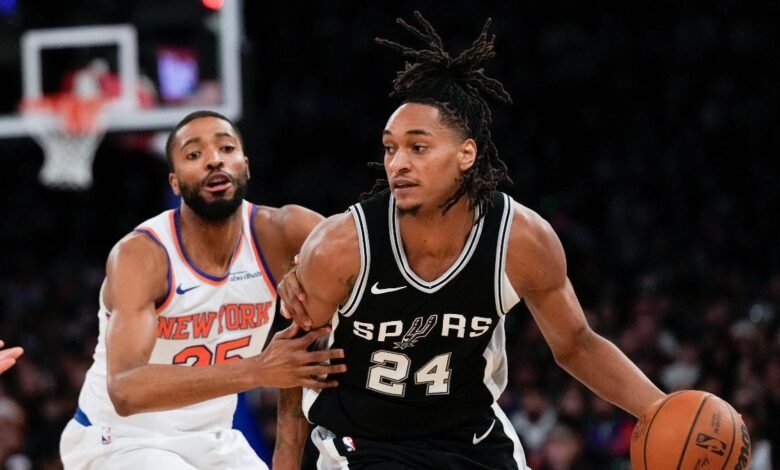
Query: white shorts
x=93 y=447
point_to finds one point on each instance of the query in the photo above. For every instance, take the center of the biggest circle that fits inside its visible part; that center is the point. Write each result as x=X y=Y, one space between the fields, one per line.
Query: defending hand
x=287 y=362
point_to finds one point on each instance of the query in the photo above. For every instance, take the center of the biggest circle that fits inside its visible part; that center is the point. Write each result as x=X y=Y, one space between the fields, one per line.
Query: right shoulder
x=137 y=248
x=330 y=261
x=137 y=265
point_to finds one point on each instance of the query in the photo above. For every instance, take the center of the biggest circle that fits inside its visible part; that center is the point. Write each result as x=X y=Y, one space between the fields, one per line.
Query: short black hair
x=191 y=117
x=457 y=87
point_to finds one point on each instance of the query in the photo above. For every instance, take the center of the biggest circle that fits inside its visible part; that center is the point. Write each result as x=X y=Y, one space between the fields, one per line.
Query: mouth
x=218 y=182
x=400 y=185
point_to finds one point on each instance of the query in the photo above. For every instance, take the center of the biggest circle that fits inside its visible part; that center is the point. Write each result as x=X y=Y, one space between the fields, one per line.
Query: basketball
x=690 y=430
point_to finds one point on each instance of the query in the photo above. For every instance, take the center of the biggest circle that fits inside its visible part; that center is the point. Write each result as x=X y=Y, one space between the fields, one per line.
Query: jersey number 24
x=391 y=371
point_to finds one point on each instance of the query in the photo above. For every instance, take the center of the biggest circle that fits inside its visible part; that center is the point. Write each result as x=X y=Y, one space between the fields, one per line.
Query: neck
x=436 y=233
x=209 y=244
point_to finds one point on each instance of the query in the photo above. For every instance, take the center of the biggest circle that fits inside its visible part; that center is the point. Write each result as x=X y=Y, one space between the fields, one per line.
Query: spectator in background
x=533 y=422
x=563 y=450
x=13 y=424
x=607 y=433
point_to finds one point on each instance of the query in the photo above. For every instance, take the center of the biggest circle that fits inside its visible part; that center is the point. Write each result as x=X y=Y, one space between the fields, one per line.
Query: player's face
x=424 y=157
x=210 y=168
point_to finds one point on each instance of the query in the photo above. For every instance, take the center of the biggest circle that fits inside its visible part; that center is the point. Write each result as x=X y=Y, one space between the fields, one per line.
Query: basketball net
x=69 y=128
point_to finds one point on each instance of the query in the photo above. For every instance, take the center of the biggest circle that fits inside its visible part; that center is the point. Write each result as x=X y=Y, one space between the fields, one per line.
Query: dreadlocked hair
x=457 y=88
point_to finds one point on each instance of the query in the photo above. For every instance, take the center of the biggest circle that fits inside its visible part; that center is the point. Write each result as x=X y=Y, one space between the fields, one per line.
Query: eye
x=419 y=148
x=193 y=155
x=228 y=148
x=389 y=149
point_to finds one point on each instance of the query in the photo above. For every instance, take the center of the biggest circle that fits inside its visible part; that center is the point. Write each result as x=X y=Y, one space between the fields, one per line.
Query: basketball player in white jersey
x=185 y=310
x=421 y=276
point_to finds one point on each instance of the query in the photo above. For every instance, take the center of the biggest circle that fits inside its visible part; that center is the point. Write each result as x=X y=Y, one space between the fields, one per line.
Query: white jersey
x=203 y=320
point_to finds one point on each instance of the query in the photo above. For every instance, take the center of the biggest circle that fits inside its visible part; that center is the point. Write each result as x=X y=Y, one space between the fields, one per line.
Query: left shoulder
x=535 y=256
x=281 y=232
x=291 y=221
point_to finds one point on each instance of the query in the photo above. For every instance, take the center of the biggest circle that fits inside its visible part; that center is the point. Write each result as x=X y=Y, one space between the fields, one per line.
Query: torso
x=202 y=320
x=424 y=346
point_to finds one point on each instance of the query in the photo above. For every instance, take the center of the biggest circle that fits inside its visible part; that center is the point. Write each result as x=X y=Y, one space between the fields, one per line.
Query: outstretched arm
x=136 y=275
x=536 y=266
x=8 y=357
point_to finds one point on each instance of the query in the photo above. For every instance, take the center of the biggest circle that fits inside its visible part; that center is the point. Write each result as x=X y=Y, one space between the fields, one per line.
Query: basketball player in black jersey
x=420 y=277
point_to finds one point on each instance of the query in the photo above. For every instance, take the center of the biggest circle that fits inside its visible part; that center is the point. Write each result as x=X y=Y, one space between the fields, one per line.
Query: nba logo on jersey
x=105 y=435
x=349 y=444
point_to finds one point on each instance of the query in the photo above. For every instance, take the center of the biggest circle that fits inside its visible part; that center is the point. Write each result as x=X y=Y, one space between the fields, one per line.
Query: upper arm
x=328 y=266
x=536 y=266
x=136 y=276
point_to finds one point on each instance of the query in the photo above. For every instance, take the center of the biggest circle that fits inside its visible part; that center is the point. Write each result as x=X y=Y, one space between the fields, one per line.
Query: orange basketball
x=690 y=430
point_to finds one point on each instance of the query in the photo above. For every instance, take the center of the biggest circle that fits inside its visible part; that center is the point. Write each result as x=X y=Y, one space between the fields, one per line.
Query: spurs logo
x=416 y=331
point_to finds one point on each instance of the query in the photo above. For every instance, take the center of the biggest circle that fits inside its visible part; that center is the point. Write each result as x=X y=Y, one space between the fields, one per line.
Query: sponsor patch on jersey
x=105 y=436
x=243 y=275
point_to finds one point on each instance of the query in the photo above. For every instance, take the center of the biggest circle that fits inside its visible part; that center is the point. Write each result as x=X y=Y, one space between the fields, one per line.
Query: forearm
x=605 y=370
x=157 y=387
x=292 y=430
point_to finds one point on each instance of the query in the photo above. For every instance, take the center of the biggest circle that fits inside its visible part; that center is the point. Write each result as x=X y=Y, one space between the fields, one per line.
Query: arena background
x=647 y=136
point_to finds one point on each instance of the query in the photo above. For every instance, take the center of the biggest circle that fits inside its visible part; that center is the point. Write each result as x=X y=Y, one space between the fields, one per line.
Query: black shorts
x=489 y=445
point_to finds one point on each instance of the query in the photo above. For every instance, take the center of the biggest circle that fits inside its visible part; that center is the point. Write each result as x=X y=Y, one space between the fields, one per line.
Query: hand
x=8 y=357
x=293 y=297
x=287 y=362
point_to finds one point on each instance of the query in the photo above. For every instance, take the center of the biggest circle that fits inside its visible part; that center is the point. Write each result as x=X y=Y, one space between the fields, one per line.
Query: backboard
x=152 y=61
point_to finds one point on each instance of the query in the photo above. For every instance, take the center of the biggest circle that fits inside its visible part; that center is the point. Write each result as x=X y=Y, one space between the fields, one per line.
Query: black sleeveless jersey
x=422 y=356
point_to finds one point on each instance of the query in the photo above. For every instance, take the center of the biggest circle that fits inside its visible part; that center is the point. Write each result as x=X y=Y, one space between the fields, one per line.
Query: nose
x=399 y=162
x=215 y=160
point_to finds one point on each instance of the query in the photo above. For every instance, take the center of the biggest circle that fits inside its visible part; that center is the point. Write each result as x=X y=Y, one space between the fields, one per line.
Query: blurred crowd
x=646 y=138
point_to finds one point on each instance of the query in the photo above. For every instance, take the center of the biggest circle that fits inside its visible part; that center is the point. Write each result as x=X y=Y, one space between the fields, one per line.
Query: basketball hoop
x=69 y=128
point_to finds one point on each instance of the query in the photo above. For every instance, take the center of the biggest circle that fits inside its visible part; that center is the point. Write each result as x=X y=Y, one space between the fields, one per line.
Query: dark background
x=647 y=136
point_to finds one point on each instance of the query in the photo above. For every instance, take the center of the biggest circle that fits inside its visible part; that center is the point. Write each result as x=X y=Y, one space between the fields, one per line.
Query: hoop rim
x=77 y=115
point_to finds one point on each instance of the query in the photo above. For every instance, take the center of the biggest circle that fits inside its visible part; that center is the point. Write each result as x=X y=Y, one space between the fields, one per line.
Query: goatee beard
x=408 y=212
x=217 y=210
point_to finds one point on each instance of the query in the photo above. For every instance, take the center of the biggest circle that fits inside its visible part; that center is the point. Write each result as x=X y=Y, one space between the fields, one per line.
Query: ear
x=467 y=154
x=174 y=182
x=246 y=161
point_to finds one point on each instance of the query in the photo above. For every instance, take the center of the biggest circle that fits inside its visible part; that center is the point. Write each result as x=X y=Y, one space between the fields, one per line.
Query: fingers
x=323 y=370
x=288 y=333
x=8 y=358
x=325 y=355
x=285 y=313
x=12 y=353
x=293 y=299
x=315 y=335
x=6 y=364
x=315 y=384
x=318 y=385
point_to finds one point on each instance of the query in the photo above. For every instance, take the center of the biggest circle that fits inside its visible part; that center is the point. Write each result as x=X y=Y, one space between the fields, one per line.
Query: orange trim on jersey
x=258 y=257
x=172 y=277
